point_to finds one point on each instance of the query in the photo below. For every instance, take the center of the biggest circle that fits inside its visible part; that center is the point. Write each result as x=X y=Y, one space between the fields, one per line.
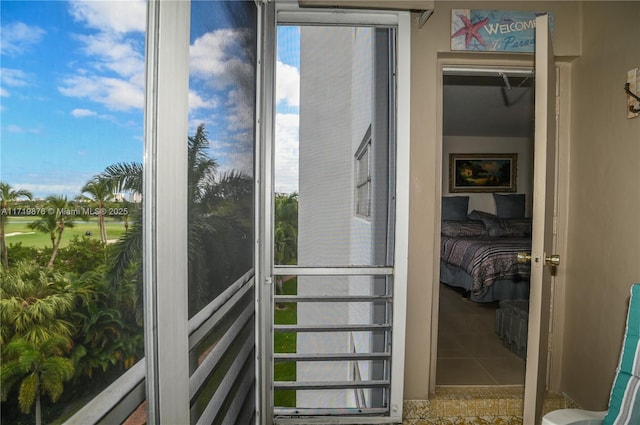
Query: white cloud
x=12 y=128
x=287 y=84
x=241 y=107
x=114 y=53
x=111 y=16
x=234 y=156
x=213 y=58
x=43 y=190
x=286 y=152
x=81 y=113
x=13 y=77
x=198 y=102
x=116 y=94
x=113 y=73
x=17 y=37
x=218 y=62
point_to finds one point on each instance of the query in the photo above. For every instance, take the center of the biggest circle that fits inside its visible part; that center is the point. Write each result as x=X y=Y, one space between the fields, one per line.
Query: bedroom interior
x=487 y=118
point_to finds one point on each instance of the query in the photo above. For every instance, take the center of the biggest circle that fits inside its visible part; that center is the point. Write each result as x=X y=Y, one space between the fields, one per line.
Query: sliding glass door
x=181 y=261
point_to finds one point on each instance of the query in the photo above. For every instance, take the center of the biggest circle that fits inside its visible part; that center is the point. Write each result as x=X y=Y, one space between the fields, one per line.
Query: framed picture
x=485 y=172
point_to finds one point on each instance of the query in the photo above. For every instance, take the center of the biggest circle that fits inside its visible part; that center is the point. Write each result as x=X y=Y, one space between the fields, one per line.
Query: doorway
x=335 y=222
x=333 y=228
x=487 y=121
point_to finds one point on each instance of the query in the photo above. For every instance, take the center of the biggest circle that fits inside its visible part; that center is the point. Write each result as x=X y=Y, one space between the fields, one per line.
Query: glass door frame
x=165 y=166
x=287 y=13
x=169 y=332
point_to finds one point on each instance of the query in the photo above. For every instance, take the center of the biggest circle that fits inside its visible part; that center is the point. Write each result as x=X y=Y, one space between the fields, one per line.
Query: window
x=363 y=177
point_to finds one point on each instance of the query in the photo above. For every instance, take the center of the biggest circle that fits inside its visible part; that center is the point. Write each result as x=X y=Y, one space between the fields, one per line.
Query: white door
x=543 y=216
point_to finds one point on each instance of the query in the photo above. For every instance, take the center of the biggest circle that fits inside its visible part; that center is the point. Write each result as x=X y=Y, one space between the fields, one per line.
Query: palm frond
x=127 y=251
x=124 y=177
x=55 y=372
x=28 y=392
x=8 y=194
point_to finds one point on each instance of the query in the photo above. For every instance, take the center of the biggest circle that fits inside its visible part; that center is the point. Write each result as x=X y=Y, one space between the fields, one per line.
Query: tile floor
x=469 y=350
x=468 y=405
x=479 y=381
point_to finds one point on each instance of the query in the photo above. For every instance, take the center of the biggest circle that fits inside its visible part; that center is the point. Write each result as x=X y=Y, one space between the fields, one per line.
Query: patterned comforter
x=487 y=259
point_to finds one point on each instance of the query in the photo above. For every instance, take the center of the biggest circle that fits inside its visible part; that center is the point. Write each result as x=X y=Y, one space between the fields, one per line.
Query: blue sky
x=287 y=109
x=72 y=91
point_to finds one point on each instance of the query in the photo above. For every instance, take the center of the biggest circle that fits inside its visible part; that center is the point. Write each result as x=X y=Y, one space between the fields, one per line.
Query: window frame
x=163 y=376
x=283 y=13
x=165 y=243
x=363 y=151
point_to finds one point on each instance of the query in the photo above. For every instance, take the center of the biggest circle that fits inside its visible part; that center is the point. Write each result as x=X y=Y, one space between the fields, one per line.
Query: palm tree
x=99 y=191
x=46 y=224
x=54 y=222
x=34 y=302
x=285 y=233
x=125 y=218
x=107 y=330
x=40 y=369
x=219 y=222
x=286 y=228
x=8 y=195
x=201 y=176
x=60 y=204
x=126 y=177
x=36 y=305
x=220 y=236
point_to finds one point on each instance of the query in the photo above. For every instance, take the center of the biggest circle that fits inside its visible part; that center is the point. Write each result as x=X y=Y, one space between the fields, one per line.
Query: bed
x=479 y=254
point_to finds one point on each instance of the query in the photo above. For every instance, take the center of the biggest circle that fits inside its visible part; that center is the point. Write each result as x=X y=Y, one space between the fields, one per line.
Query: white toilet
x=573 y=417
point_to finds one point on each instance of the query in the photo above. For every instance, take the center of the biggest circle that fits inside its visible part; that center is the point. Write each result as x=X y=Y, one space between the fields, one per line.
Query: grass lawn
x=285 y=342
x=17 y=230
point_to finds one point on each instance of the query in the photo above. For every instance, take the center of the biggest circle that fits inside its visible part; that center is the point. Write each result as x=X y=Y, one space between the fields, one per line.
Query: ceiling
x=484 y=106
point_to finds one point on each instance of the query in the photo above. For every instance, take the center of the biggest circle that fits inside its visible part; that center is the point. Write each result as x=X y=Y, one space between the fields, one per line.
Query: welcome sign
x=494 y=30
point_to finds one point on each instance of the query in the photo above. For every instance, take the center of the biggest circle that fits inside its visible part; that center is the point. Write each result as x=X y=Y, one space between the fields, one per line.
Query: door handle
x=550 y=260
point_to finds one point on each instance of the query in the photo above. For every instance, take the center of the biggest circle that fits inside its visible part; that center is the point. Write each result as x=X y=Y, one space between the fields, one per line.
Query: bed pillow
x=510 y=206
x=455 y=207
x=481 y=216
x=521 y=225
x=489 y=220
x=463 y=229
x=499 y=227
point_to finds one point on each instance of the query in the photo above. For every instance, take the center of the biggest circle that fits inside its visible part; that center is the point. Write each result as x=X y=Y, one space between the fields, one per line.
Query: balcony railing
x=341 y=378
x=231 y=392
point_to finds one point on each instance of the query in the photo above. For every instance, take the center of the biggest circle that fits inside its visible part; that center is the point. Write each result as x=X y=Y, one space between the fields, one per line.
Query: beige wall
x=603 y=208
x=603 y=246
x=430 y=43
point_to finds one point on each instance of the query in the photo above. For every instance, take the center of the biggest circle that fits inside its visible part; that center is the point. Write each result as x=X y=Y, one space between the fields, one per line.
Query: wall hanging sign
x=494 y=30
x=469 y=172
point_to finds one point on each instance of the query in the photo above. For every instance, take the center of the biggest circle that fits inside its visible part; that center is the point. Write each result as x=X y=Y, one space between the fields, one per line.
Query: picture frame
x=483 y=172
